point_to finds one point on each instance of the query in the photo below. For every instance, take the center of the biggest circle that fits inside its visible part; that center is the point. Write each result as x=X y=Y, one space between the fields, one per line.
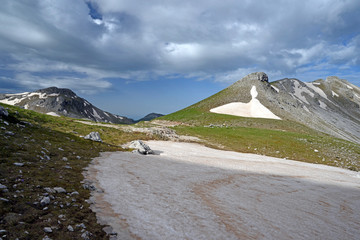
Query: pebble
x=70 y=228
x=59 y=190
x=45 y=201
x=47 y=229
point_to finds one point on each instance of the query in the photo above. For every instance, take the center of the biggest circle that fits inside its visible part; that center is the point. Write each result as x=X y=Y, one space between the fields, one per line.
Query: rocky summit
x=331 y=106
x=61 y=102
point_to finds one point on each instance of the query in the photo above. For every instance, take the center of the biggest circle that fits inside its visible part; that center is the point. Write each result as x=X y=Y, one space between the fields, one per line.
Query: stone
x=64 y=159
x=45 y=201
x=46 y=238
x=3 y=186
x=94 y=136
x=49 y=190
x=19 y=164
x=81 y=225
x=141 y=147
x=9 y=133
x=3 y=112
x=47 y=229
x=59 y=190
x=86 y=235
x=70 y=228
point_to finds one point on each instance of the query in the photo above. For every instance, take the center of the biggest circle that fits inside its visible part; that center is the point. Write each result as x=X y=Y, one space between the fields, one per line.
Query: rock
x=86 y=235
x=47 y=229
x=49 y=190
x=141 y=147
x=94 y=136
x=46 y=238
x=4 y=199
x=59 y=190
x=64 y=159
x=70 y=228
x=45 y=201
x=81 y=225
x=19 y=164
x=74 y=193
x=3 y=112
x=9 y=133
x=3 y=186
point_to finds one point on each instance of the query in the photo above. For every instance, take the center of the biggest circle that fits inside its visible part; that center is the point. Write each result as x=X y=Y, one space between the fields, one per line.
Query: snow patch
x=349 y=87
x=334 y=94
x=316 y=83
x=95 y=114
x=299 y=90
x=251 y=109
x=203 y=193
x=317 y=89
x=53 y=114
x=275 y=88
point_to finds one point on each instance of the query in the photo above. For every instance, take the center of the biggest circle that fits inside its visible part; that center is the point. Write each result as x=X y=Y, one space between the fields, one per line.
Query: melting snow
x=317 y=89
x=299 y=90
x=275 y=88
x=53 y=114
x=334 y=94
x=251 y=109
x=193 y=192
x=95 y=114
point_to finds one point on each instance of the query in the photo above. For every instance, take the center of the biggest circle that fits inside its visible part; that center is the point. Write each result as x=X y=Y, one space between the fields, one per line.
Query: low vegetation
x=39 y=153
x=277 y=138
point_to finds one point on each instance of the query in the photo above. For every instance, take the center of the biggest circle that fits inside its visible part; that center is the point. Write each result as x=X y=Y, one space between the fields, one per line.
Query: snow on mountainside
x=331 y=106
x=60 y=101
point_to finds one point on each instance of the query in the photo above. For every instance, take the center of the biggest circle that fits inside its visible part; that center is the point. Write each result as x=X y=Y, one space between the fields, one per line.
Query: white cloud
x=210 y=39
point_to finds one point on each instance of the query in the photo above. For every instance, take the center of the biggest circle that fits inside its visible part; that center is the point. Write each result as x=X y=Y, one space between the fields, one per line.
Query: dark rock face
x=62 y=102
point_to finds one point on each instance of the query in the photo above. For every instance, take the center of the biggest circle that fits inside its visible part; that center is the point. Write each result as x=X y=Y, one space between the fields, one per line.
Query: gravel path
x=192 y=192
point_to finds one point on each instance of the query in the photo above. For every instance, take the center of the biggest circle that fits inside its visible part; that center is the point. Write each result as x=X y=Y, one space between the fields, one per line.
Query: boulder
x=3 y=112
x=141 y=147
x=94 y=136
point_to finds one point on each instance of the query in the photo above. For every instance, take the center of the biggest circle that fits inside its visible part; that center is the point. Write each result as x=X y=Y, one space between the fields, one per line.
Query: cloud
x=215 y=40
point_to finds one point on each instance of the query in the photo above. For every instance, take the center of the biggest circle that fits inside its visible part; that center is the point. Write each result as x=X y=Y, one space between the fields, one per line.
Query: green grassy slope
x=21 y=214
x=278 y=138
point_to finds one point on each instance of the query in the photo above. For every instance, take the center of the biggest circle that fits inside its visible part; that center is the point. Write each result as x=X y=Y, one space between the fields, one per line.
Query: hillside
x=42 y=159
x=306 y=130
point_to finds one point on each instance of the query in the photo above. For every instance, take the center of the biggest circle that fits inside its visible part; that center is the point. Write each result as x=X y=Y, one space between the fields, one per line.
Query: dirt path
x=193 y=192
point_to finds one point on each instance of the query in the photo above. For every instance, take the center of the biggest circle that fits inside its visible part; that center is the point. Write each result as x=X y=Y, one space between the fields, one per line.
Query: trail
x=189 y=191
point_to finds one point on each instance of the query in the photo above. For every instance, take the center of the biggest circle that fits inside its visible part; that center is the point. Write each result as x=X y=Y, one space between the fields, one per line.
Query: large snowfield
x=189 y=191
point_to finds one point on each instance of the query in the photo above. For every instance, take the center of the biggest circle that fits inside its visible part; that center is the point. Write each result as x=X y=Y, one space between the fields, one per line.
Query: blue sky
x=133 y=57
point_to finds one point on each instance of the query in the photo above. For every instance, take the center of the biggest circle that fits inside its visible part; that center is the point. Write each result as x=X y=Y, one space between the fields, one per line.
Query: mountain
x=61 y=102
x=330 y=106
x=150 y=117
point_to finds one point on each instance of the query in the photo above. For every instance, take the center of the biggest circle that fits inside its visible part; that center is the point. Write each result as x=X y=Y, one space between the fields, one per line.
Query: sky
x=133 y=57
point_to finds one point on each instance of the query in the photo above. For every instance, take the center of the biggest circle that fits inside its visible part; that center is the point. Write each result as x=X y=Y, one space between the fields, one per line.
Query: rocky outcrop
x=141 y=147
x=3 y=112
x=94 y=136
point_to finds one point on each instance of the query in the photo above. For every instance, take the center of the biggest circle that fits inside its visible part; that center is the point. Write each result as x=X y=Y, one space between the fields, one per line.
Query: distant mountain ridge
x=150 y=117
x=62 y=102
x=331 y=106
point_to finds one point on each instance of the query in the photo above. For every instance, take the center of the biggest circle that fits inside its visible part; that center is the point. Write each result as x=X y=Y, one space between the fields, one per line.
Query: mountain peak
x=256 y=76
x=56 y=90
